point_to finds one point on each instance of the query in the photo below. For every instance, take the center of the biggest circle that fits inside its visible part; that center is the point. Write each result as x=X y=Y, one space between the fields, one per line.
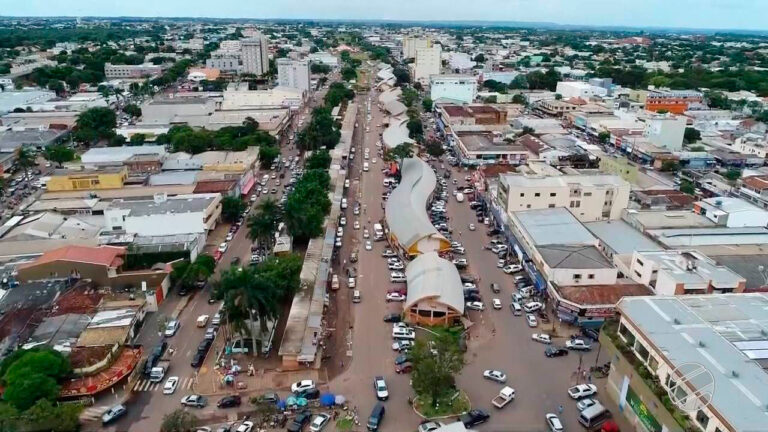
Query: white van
x=516 y=309
x=460 y=197
x=356 y=296
x=365 y=166
x=265 y=179
x=378 y=232
x=594 y=416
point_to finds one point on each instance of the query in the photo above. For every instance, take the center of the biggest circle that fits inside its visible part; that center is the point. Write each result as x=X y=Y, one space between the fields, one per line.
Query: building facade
x=413 y=43
x=674 y=101
x=428 y=63
x=112 y=71
x=255 y=55
x=293 y=74
x=460 y=88
x=109 y=178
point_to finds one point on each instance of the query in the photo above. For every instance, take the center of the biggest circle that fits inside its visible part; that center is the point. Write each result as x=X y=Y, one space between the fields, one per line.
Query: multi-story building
x=752 y=144
x=255 y=55
x=732 y=212
x=665 y=131
x=112 y=71
x=163 y=215
x=413 y=43
x=85 y=180
x=589 y=197
x=755 y=190
x=324 y=58
x=225 y=61
x=458 y=88
x=674 y=101
x=682 y=272
x=428 y=63
x=293 y=74
x=689 y=363
x=573 y=89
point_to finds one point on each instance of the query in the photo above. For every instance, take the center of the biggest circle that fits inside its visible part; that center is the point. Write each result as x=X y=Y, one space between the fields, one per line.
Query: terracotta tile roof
x=576 y=101
x=103 y=255
x=756 y=182
x=602 y=294
x=533 y=144
x=214 y=186
x=456 y=111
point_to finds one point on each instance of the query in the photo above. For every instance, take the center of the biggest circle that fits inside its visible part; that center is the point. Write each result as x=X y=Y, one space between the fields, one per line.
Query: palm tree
x=264 y=222
x=247 y=297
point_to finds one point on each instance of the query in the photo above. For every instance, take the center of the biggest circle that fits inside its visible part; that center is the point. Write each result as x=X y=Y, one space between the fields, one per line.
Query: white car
x=402 y=345
x=501 y=263
x=585 y=403
x=339 y=232
x=246 y=426
x=460 y=261
x=381 y=388
x=395 y=266
x=542 y=337
x=511 y=268
x=319 y=422
x=471 y=227
x=395 y=297
x=531 y=320
x=388 y=253
x=478 y=306
x=554 y=423
x=366 y=234
x=470 y=285
x=577 y=344
x=396 y=274
x=373 y=160
x=223 y=247
x=170 y=385
x=230 y=236
x=496 y=303
x=368 y=245
x=394 y=260
x=343 y=203
x=494 y=375
x=430 y=426
x=342 y=221
x=532 y=307
x=582 y=390
x=356 y=225
x=302 y=385
x=172 y=327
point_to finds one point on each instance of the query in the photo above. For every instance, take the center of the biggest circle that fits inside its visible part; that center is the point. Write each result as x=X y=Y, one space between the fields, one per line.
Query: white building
x=732 y=212
x=589 y=197
x=413 y=43
x=225 y=61
x=131 y=71
x=162 y=216
x=751 y=144
x=573 y=89
x=460 y=88
x=293 y=74
x=665 y=131
x=324 y=58
x=680 y=272
x=428 y=63
x=254 y=54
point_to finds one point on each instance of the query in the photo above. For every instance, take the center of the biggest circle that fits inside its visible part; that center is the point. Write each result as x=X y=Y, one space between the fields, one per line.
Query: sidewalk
x=210 y=383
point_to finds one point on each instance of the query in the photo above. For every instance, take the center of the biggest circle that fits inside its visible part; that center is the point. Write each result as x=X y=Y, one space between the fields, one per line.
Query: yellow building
x=66 y=180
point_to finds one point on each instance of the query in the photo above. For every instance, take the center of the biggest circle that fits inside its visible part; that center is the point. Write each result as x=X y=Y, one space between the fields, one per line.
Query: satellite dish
x=691 y=387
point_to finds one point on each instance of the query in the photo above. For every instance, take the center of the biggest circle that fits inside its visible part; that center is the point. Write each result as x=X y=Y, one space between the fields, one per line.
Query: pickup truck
x=505 y=396
x=158 y=372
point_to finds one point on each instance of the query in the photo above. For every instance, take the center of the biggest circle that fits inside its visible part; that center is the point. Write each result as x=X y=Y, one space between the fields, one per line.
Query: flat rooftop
x=573 y=257
x=726 y=334
x=666 y=219
x=691 y=237
x=188 y=204
x=554 y=226
x=620 y=237
x=479 y=142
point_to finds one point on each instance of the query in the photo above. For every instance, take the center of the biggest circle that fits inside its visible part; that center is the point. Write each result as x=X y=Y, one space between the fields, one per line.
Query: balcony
x=643 y=381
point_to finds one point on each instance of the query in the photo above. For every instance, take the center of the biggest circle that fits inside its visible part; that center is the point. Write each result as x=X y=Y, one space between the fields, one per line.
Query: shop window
x=702 y=418
x=641 y=351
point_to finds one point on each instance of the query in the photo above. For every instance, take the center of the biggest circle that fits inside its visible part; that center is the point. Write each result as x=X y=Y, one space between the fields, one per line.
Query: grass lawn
x=450 y=406
x=345 y=423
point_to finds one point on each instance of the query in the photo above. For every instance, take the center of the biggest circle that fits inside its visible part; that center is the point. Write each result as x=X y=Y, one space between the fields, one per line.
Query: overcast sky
x=723 y=14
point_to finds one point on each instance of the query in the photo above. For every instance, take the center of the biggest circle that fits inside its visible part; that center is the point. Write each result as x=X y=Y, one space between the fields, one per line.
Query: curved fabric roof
x=396 y=133
x=390 y=95
x=406 y=209
x=395 y=107
x=430 y=276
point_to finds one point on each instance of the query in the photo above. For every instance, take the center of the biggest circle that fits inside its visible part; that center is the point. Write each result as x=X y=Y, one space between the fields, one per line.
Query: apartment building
x=588 y=197
x=293 y=74
x=225 y=61
x=112 y=71
x=689 y=363
x=255 y=55
x=458 y=88
x=674 y=101
x=413 y=43
x=428 y=63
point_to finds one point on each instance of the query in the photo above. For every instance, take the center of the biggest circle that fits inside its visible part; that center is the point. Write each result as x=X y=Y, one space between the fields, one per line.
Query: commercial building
x=589 y=197
x=406 y=211
x=579 y=89
x=324 y=58
x=145 y=70
x=665 y=131
x=454 y=88
x=413 y=43
x=255 y=54
x=428 y=63
x=87 y=179
x=755 y=190
x=683 y=272
x=752 y=144
x=673 y=101
x=561 y=248
x=163 y=215
x=481 y=148
x=435 y=292
x=701 y=362
x=293 y=74
x=732 y=212
x=117 y=156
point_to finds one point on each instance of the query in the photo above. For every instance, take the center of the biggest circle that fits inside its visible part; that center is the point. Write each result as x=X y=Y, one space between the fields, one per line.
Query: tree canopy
x=264 y=221
x=319 y=159
x=33 y=375
x=307 y=205
x=59 y=154
x=321 y=131
x=95 y=124
x=337 y=93
x=435 y=365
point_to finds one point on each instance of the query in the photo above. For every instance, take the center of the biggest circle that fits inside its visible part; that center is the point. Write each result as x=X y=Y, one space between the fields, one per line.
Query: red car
x=403 y=368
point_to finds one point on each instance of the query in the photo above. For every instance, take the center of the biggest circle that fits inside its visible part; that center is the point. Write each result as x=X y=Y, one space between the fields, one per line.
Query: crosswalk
x=144 y=385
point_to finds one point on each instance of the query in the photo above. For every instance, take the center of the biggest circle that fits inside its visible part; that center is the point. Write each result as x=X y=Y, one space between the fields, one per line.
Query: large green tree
x=264 y=221
x=33 y=376
x=307 y=205
x=435 y=365
x=178 y=420
x=321 y=132
x=188 y=274
x=232 y=208
x=95 y=124
x=59 y=154
x=399 y=152
x=268 y=154
x=319 y=159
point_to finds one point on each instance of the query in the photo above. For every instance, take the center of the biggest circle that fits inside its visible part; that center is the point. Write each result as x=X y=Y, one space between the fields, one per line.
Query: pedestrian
x=342 y=364
x=560 y=409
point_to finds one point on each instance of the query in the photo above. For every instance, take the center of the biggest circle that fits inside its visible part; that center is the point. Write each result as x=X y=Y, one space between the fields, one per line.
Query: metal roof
x=431 y=277
x=554 y=226
x=406 y=209
x=620 y=237
x=711 y=330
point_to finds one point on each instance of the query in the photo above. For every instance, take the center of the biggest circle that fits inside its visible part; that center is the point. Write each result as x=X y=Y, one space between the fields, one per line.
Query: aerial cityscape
x=343 y=216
